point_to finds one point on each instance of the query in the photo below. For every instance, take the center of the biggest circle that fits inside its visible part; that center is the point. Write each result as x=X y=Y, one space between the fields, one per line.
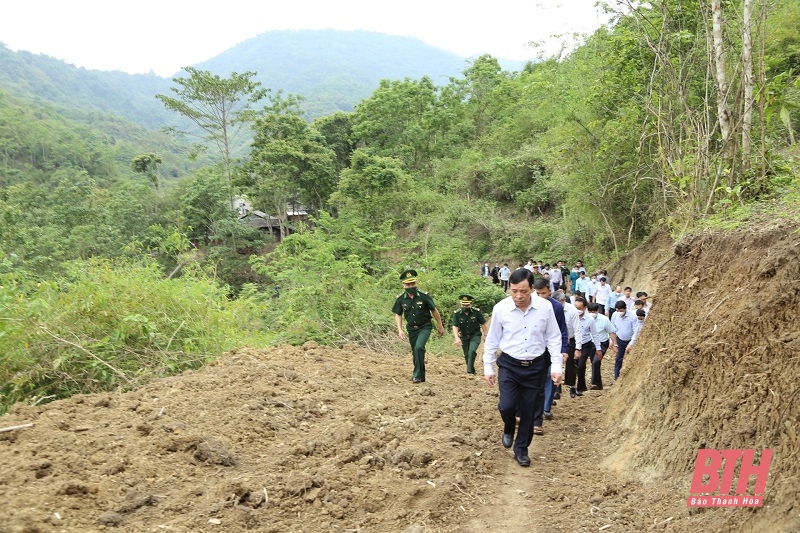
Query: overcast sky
x=166 y=35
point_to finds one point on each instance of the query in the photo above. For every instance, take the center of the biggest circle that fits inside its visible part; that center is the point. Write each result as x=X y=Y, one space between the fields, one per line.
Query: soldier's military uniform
x=468 y=320
x=415 y=307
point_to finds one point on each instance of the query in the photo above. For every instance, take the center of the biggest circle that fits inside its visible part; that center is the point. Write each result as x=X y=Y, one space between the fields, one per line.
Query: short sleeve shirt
x=468 y=324
x=416 y=311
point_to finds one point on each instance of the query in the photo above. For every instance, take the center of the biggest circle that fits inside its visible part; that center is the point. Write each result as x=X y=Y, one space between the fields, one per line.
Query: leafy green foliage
x=113 y=325
x=289 y=162
x=328 y=286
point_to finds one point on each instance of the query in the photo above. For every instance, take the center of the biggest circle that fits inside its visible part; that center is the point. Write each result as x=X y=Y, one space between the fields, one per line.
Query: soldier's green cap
x=408 y=276
x=466 y=298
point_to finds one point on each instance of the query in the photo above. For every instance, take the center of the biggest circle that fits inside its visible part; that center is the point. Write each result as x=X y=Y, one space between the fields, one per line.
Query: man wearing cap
x=417 y=307
x=468 y=326
x=523 y=330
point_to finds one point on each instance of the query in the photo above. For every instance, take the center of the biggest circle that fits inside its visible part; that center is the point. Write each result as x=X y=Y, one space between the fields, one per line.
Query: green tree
x=396 y=121
x=204 y=204
x=337 y=130
x=148 y=164
x=289 y=163
x=373 y=188
x=220 y=107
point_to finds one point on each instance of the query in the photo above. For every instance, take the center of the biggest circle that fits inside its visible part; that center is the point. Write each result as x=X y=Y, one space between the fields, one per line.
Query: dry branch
x=118 y=372
x=14 y=428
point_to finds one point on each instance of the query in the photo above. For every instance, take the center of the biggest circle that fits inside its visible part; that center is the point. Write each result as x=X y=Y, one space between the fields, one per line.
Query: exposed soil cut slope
x=718 y=368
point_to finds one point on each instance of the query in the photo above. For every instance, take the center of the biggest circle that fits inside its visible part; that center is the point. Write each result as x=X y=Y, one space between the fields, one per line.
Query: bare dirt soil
x=311 y=438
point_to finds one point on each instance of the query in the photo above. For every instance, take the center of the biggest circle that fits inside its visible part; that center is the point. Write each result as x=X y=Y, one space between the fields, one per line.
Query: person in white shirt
x=626 y=297
x=590 y=345
x=505 y=272
x=602 y=292
x=523 y=327
x=573 y=329
x=624 y=322
x=606 y=334
x=641 y=315
x=591 y=290
x=556 y=278
x=611 y=302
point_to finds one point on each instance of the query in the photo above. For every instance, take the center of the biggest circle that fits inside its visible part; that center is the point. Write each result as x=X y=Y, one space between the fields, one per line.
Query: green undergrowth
x=114 y=326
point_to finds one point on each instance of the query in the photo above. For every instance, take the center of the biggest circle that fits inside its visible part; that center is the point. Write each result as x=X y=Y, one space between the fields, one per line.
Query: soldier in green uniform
x=468 y=325
x=417 y=307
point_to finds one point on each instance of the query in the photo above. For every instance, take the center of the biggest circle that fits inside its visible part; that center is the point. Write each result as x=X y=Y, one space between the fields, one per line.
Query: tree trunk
x=747 y=68
x=723 y=111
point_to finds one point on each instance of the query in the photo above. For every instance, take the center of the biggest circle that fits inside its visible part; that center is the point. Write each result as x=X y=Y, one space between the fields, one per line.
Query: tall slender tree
x=220 y=107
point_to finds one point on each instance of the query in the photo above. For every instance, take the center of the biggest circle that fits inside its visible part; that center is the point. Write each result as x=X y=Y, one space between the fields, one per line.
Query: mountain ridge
x=332 y=69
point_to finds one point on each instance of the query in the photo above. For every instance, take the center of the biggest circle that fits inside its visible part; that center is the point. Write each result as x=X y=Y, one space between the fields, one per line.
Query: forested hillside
x=648 y=124
x=333 y=70
x=78 y=91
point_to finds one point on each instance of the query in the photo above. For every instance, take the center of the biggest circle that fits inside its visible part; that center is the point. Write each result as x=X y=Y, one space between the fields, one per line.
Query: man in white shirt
x=590 y=345
x=523 y=327
x=641 y=315
x=626 y=297
x=611 y=301
x=555 y=278
x=573 y=329
x=591 y=290
x=606 y=334
x=505 y=272
x=601 y=294
x=624 y=322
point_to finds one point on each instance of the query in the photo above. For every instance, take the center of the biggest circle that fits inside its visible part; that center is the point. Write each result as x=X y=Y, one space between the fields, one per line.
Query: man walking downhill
x=417 y=307
x=523 y=329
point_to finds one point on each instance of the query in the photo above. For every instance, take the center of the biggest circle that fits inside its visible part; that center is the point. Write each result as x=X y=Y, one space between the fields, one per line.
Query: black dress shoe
x=572 y=392
x=580 y=393
x=554 y=403
x=508 y=440
x=556 y=395
x=416 y=380
x=523 y=460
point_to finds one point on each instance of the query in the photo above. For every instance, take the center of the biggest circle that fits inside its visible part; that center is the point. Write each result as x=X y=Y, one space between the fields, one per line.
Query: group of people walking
x=538 y=338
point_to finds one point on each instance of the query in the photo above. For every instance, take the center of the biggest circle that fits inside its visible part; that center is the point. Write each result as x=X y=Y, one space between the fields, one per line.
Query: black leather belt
x=520 y=362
